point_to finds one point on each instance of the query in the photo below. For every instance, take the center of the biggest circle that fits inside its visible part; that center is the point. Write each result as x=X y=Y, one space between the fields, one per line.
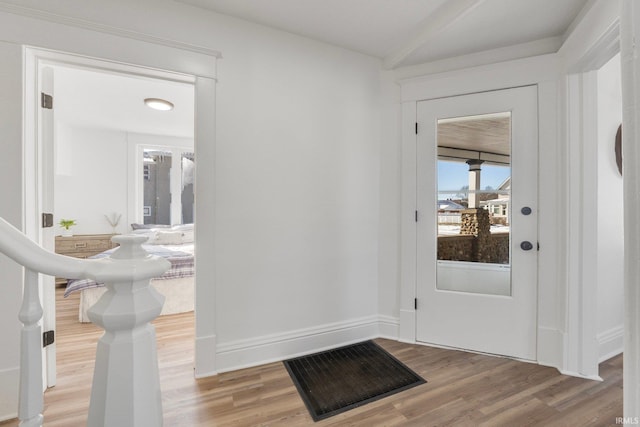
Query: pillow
x=182 y=227
x=149 y=233
x=167 y=238
x=135 y=226
x=187 y=236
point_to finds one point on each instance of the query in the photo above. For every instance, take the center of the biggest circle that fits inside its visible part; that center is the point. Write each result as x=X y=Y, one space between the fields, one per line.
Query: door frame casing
x=36 y=162
x=592 y=46
x=199 y=71
x=519 y=338
x=562 y=335
x=543 y=72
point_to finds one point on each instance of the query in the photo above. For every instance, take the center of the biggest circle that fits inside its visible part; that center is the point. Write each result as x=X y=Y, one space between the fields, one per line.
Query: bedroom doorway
x=87 y=145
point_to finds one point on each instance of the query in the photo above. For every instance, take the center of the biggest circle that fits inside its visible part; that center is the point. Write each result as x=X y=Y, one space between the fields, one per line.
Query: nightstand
x=82 y=246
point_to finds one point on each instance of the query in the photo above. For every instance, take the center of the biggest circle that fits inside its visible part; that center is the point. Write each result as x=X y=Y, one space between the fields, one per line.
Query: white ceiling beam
x=441 y=19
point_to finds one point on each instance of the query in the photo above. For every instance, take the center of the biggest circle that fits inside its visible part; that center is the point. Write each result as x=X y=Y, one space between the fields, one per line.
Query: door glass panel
x=157 y=187
x=188 y=174
x=473 y=205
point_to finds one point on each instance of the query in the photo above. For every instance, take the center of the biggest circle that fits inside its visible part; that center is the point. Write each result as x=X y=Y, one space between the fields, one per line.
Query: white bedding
x=177 y=285
x=179 y=296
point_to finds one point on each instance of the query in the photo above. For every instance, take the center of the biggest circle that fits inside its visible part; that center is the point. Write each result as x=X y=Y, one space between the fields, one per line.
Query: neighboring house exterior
x=499 y=208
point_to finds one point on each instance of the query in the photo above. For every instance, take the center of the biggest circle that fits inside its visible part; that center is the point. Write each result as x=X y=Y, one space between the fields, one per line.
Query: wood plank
x=463 y=389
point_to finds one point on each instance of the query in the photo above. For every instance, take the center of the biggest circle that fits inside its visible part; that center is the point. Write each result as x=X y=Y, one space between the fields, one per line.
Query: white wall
x=90 y=178
x=297 y=193
x=610 y=214
x=94 y=176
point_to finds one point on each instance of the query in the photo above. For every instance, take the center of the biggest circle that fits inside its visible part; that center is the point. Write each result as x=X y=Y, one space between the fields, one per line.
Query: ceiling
x=490 y=134
x=411 y=32
x=400 y=32
x=97 y=99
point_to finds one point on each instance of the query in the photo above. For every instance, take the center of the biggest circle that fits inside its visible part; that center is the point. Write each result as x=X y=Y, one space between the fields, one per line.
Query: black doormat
x=337 y=380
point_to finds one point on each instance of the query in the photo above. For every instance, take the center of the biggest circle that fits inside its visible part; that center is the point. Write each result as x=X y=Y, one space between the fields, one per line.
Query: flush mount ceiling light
x=158 y=104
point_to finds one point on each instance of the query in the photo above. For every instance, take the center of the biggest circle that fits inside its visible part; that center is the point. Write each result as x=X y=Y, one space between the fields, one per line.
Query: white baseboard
x=579 y=375
x=205 y=356
x=550 y=347
x=610 y=343
x=388 y=327
x=551 y=352
x=9 y=385
x=272 y=348
x=407 y=329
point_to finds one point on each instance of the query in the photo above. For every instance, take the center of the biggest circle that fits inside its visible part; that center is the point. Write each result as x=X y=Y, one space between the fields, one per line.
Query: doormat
x=334 y=381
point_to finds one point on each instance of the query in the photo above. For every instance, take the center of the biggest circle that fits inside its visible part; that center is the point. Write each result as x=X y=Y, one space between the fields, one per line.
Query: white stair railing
x=126 y=385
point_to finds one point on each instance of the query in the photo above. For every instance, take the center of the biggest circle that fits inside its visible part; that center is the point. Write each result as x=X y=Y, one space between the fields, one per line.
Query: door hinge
x=46 y=101
x=48 y=338
x=538 y=245
x=47 y=220
x=416 y=128
x=416 y=218
x=415 y=303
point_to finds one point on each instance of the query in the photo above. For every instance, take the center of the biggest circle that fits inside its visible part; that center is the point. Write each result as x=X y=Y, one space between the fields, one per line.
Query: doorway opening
x=610 y=214
x=92 y=159
x=477 y=225
x=595 y=213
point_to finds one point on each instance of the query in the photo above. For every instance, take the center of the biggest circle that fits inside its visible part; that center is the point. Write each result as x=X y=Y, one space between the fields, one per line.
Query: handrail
x=25 y=252
x=131 y=396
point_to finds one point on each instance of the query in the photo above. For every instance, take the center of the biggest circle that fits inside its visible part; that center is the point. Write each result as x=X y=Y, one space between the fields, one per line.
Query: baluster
x=126 y=382
x=31 y=388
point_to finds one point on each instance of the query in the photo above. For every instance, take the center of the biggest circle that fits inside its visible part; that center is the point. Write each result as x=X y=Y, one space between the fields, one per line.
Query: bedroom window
x=187 y=194
x=167 y=186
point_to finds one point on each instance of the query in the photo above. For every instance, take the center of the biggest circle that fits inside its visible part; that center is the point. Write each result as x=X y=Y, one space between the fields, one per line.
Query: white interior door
x=46 y=199
x=477 y=229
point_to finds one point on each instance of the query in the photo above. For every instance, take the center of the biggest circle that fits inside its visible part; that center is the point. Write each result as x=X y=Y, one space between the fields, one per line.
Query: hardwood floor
x=463 y=389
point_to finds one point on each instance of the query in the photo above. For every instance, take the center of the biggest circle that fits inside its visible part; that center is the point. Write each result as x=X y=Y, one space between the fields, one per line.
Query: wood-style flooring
x=463 y=389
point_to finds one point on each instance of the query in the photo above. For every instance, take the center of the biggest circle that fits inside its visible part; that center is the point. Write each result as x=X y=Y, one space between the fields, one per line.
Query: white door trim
x=544 y=72
x=581 y=351
x=85 y=39
x=93 y=26
x=550 y=73
x=204 y=141
x=581 y=346
x=408 y=225
x=444 y=316
x=630 y=32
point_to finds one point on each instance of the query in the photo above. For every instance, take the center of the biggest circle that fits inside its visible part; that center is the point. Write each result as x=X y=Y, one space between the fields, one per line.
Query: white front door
x=477 y=222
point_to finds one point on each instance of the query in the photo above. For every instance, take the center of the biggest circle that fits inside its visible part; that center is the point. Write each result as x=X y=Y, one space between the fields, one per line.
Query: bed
x=177 y=285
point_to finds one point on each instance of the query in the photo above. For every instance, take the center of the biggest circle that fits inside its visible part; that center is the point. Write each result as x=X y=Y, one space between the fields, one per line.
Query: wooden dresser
x=82 y=246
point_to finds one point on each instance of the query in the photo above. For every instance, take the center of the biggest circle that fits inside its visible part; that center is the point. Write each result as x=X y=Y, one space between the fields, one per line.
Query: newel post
x=126 y=384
